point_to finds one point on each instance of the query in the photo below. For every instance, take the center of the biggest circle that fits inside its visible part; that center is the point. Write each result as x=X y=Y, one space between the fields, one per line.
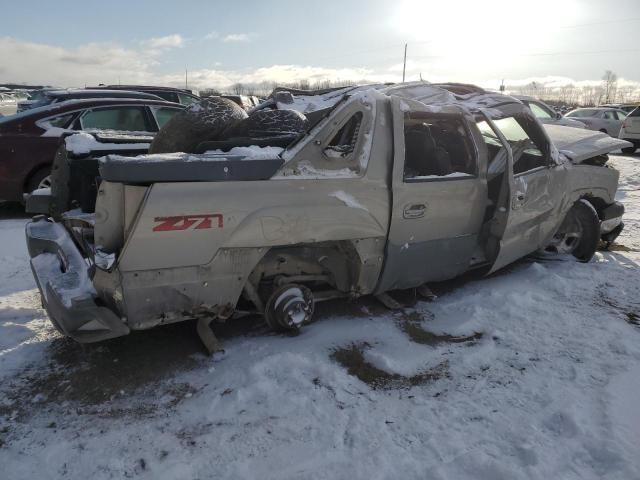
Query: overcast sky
x=73 y=43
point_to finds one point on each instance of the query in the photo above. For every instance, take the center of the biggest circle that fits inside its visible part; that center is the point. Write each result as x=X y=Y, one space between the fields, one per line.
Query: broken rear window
x=437 y=147
x=344 y=141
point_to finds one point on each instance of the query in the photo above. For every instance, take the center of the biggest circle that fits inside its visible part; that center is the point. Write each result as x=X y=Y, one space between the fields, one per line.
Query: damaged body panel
x=388 y=188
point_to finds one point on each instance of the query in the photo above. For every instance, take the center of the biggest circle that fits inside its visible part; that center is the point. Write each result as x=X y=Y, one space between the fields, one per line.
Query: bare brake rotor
x=289 y=307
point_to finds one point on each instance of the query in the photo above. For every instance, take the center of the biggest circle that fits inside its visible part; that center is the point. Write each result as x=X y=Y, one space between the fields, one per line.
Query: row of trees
x=263 y=89
x=608 y=91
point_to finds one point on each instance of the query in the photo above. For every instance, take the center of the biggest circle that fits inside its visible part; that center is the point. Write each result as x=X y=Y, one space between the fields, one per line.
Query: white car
x=8 y=103
x=630 y=130
x=546 y=114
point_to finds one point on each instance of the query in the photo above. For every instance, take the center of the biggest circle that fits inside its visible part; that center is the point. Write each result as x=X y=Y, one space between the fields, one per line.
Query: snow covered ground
x=533 y=373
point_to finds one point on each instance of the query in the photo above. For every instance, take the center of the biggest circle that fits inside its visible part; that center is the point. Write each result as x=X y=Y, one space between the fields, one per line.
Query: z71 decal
x=184 y=222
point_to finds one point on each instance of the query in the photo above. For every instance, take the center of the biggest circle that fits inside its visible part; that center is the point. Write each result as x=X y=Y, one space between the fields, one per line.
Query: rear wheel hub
x=289 y=307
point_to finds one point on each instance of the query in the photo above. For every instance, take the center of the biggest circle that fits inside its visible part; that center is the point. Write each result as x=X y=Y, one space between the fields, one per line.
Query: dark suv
x=175 y=95
x=49 y=97
x=29 y=140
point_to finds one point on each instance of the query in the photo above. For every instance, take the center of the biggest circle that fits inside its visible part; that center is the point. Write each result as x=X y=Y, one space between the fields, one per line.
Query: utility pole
x=404 y=65
x=185 y=78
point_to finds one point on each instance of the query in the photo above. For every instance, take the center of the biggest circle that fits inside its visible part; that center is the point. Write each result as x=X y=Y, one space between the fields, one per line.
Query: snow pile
x=252 y=152
x=249 y=153
x=530 y=373
x=312 y=103
x=83 y=143
x=449 y=175
x=304 y=170
x=41 y=192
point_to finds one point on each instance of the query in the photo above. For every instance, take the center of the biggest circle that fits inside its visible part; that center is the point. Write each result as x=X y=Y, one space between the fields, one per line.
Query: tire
x=41 y=178
x=630 y=150
x=202 y=121
x=604 y=131
x=579 y=233
x=268 y=123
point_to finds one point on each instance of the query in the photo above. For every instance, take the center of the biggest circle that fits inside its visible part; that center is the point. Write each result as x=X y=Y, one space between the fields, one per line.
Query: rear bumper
x=62 y=275
x=630 y=137
x=37 y=203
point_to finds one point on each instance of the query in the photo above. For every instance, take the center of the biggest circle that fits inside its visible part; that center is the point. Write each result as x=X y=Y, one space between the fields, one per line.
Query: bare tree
x=238 y=88
x=209 y=92
x=609 y=85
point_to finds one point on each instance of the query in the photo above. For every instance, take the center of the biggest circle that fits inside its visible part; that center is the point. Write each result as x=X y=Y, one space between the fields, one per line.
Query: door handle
x=414 y=210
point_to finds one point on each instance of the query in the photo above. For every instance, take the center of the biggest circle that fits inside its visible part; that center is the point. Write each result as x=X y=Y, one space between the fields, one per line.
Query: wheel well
x=320 y=258
x=598 y=203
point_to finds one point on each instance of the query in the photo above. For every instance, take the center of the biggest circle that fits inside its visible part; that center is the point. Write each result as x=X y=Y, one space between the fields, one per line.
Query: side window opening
x=118 y=118
x=437 y=147
x=528 y=153
x=163 y=114
x=344 y=141
x=187 y=99
x=539 y=111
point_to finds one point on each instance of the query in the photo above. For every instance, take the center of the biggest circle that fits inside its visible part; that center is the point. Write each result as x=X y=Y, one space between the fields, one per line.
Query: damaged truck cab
x=388 y=188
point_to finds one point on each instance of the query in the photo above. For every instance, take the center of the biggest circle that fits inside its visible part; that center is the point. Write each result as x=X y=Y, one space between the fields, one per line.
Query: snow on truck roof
x=469 y=97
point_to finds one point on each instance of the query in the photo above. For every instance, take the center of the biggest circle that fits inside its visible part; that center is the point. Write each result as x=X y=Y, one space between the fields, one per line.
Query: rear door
x=439 y=197
x=611 y=122
x=632 y=122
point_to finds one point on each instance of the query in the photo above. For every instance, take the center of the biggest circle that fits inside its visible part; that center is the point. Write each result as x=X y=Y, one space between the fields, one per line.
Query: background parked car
x=627 y=107
x=33 y=96
x=176 y=95
x=50 y=97
x=8 y=103
x=630 y=130
x=28 y=140
x=607 y=120
x=546 y=114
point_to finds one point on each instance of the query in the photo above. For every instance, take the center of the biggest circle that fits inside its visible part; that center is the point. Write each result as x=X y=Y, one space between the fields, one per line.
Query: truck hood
x=580 y=144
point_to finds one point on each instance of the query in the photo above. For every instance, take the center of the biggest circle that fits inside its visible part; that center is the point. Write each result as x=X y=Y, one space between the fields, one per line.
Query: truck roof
x=470 y=97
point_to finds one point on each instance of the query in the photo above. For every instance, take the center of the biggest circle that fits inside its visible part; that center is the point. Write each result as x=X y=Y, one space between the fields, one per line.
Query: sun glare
x=468 y=28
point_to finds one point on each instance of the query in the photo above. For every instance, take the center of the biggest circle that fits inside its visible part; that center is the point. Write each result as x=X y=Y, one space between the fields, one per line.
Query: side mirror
x=558 y=115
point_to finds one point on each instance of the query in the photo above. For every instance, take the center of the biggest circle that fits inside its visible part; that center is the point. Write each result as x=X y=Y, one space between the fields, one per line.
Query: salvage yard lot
x=531 y=373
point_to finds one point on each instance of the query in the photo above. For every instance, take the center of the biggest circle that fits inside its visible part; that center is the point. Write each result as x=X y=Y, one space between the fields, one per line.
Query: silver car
x=546 y=114
x=604 y=119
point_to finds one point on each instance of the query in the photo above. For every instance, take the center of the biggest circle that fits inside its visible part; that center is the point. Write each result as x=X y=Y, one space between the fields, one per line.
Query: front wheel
x=579 y=232
x=40 y=179
x=630 y=150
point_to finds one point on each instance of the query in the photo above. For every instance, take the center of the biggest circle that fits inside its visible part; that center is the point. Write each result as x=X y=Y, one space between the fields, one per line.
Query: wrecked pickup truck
x=318 y=195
